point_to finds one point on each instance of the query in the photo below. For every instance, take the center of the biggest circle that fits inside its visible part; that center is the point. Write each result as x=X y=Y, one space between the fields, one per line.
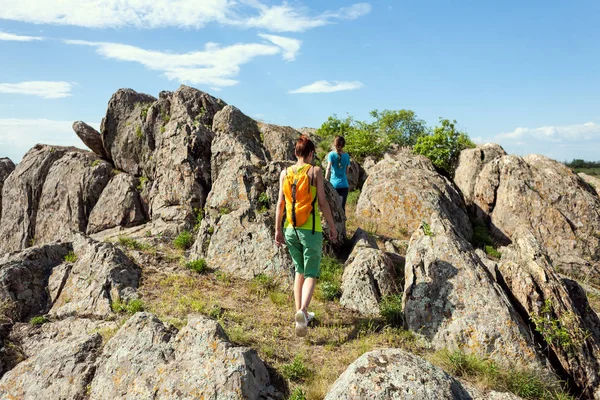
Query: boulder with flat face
x=279 y=141
x=90 y=137
x=402 y=191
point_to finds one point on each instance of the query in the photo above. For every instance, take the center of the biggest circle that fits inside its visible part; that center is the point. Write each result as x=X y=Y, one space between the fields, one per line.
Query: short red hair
x=304 y=146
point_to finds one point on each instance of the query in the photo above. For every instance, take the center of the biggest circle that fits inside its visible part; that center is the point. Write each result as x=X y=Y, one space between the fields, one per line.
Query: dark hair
x=304 y=146
x=339 y=142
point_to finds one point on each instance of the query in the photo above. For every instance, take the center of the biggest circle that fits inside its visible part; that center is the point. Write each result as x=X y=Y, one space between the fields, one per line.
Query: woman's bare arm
x=324 y=205
x=279 y=240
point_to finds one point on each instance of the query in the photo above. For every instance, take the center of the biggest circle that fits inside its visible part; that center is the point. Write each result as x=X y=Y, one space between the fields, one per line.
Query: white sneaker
x=301 y=323
x=311 y=317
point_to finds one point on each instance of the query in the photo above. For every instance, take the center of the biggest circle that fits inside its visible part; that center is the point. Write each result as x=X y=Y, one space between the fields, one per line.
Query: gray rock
x=21 y=196
x=279 y=141
x=528 y=274
x=90 y=137
x=60 y=370
x=118 y=205
x=451 y=299
x=395 y=374
x=470 y=164
x=24 y=277
x=101 y=275
x=545 y=195
x=6 y=168
x=403 y=191
x=70 y=192
x=369 y=276
x=593 y=181
x=152 y=360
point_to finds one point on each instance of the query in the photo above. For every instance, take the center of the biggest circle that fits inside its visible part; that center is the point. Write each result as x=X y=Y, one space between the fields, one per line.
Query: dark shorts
x=343 y=192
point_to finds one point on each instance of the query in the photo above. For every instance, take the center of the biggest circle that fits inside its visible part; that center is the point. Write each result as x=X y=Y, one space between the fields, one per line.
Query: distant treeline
x=577 y=163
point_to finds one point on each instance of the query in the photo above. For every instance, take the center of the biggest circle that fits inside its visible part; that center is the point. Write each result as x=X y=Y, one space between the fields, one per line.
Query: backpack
x=299 y=203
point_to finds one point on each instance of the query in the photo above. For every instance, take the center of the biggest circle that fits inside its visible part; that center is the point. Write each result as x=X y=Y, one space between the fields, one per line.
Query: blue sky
x=523 y=74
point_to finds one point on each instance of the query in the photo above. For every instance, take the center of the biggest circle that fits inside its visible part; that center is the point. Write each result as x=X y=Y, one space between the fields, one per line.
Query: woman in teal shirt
x=338 y=164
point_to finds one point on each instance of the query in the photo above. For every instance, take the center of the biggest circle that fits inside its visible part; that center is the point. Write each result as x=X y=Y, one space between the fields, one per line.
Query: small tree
x=361 y=142
x=443 y=147
x=401 y=127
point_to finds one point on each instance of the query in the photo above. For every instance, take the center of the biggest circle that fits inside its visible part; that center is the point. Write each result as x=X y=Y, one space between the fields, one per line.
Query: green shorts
x=305 y=252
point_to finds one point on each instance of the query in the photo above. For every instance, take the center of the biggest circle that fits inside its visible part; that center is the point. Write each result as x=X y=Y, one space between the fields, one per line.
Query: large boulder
x=6 y=168
x=470 y=164
x=568 y=328
x=101 y=275
x=24 y=278
x=593 y=181
x=146 y=359
x=369 y=275
x=395 y=374
x=90 y=137
x=404 y=190
x=70 y=192
x=21 y=196
x=119 y=205
x=452 y=300
x=279 y=141
x=60 y=370
x=165 y=142
x=543 y=194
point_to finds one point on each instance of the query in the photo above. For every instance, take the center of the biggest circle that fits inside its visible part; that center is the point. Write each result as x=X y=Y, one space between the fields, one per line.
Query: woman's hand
x=279 y=239
x=333 y=235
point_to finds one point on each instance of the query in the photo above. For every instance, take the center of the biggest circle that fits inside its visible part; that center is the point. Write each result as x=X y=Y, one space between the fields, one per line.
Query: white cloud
x=290 y=46
x=328 y=87
x=554 y=134
x=17 y=136
x=44 y=89
x=215 y=65
x=18 y=38
x=175 y=13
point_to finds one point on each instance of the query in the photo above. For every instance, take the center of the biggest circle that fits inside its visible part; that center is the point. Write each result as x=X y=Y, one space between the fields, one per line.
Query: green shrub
x=390 y=308
x=330 y=291
x=443 y=147
x=297 y=394
x=132 y=307
x=216 y=311
x=198 y=265
x=133 y=244
x=142 y=183
x=427 y=229
x=163 y=129
x=184 y=240
x=40 y=320
x=138 y=132
x=263 y=203
x=353 y=197
x=296 y=371
x=198 y=215
x=492 y=252
x=330 y=282
x=262 y=284
x=563 y=331
x=70 y=257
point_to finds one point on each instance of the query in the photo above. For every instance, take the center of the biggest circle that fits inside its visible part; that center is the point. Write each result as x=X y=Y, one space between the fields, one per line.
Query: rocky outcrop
x=60 y=370
x=101 y=275
x=21 y=196
x=150 y=359
x=70 y=192
x=119 y=205
x=395 y=374
x=470 y=164
x=6 y=168
x=279 y=141
x=369 y=275
x=403 y=191
x=24 y=277
x=547 y=198
x=90 y=137
x=451 y=299
x=593 y=181
x=567 y=327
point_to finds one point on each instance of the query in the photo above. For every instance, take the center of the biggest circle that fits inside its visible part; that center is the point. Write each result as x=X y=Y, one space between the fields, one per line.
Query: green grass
x=329 y=286
x=198 y=265
x=198 y=215
x=263 y=284
x=353 y=197
x=224 y=210
x=70 y=257
x=297 y=394
x=162 y=129
x=296 y=371
x=142 y=183
x=528 y=384
x=131 y=307
x=184 y=240
x=563 y=331
x=263 y=203
x=492 y=252
x=426 y=229
x=589 y=171
x=95 y=163
x=390 y=309
x=138 y=132
x=40 y=320
x=133 y=244
x=482 y=239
